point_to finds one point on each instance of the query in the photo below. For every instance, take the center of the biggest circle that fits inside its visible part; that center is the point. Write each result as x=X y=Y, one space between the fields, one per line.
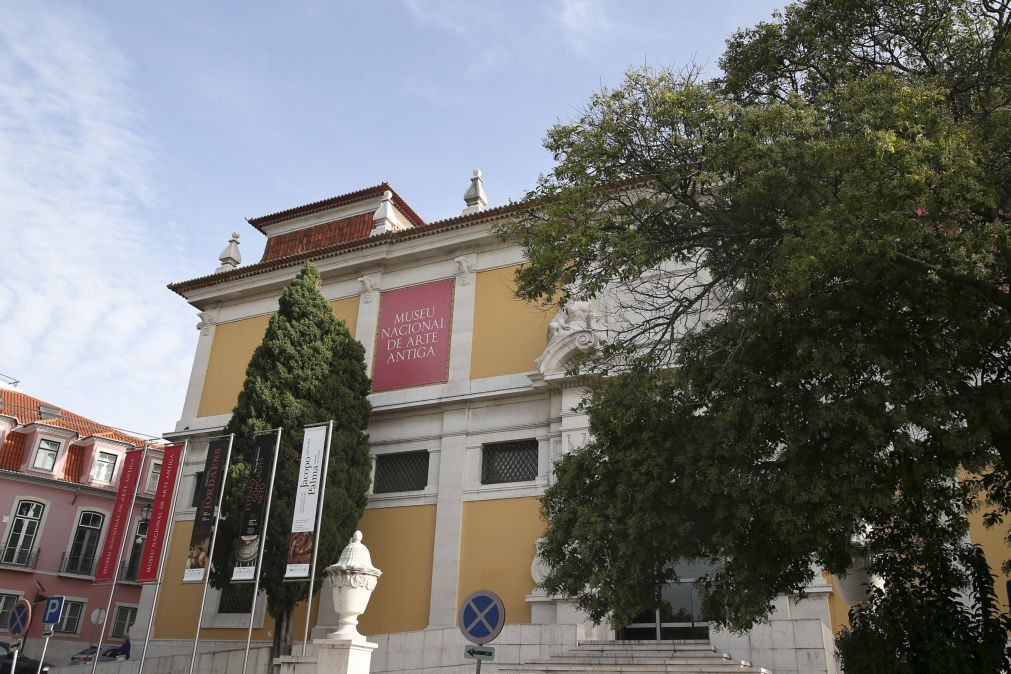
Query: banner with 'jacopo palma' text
x=303 y=521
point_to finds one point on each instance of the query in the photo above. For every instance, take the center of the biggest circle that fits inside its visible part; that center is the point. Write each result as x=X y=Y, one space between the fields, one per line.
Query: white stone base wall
x=211 y=662
x=440 y=650
x=798 y=639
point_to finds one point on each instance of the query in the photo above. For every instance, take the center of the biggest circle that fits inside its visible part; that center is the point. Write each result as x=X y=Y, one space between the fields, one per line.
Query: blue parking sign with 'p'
x=53 y=610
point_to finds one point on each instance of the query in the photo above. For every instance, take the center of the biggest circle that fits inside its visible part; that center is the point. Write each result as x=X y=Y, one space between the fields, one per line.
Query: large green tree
x=809 y=262
x=308 y=369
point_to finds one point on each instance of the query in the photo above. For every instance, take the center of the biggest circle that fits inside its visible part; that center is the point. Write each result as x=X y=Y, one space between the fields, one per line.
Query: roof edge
x=334 y=202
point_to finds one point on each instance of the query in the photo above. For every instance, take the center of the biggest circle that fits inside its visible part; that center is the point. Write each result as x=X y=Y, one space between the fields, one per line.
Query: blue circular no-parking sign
x=482 y=616
x=21 y=618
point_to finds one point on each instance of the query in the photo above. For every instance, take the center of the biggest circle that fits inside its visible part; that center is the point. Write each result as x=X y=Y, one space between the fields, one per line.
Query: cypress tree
x=308 y=369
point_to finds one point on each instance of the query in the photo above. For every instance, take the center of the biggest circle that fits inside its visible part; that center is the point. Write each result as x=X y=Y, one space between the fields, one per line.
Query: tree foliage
x=808 y=261
x=308 y=369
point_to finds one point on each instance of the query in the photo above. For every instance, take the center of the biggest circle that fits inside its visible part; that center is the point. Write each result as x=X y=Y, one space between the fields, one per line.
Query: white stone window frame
x=39 y=450
x=5 y=592
x=77 y=521
x=475 y=490
x=113 y=634
x=153 y=475
x=427 y=496
x=15 y=506
x=99 y=463
x=60 y=627
x=233 y=620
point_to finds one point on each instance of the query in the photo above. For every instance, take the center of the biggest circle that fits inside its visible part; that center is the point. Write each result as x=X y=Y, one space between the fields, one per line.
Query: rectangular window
x=45 y=455
x=509 y=462
x=20 y=547
x=405 y=471
x=126 y=616
x=105 y=467
x=236 y=598
x=70 y=623
x=84 y=550
x=152 y=478
x=7 y=602
x=198 y=488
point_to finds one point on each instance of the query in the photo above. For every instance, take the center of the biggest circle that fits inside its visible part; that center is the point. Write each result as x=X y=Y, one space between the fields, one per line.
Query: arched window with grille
x=20 y=550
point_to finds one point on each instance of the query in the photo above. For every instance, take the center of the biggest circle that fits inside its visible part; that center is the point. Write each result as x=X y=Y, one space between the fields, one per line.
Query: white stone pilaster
x=448 y=519
x=198 y=373
x=368 y=315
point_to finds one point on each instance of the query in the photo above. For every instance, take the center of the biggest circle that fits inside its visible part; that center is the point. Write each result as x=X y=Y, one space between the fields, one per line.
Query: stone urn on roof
x=353 y=578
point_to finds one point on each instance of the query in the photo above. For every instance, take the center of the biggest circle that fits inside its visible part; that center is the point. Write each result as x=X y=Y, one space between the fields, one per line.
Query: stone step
x=637 y=657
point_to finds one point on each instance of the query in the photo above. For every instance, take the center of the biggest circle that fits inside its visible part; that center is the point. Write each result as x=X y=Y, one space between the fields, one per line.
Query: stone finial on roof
x=387 y=218
x=230 y=257
x=475 y=197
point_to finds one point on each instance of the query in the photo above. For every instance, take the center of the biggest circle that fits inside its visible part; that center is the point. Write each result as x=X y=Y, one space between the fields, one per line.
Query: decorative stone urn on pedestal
x=353 y=578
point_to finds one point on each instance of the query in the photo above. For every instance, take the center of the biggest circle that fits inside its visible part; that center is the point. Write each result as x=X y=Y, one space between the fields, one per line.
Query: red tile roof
x=318 y=236
x=25 y=409
x=12 y=453
x=457 y=222
x=73 y=467
x=334 y=202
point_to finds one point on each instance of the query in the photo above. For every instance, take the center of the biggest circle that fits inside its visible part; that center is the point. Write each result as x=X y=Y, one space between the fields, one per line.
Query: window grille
x=405 y=471
x=236 y=598
x=71 y=620
x=126 y=616
x=509 y=462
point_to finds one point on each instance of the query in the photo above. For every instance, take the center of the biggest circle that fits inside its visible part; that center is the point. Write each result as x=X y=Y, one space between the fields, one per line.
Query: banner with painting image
x=253 y=523
x=198 y=558
x=310 y=483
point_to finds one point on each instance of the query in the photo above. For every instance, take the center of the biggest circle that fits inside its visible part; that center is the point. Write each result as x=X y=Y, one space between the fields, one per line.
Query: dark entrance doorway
x=680 y=616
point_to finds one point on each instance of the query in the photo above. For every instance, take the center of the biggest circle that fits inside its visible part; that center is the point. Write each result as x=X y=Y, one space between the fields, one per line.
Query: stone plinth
x=333 y=656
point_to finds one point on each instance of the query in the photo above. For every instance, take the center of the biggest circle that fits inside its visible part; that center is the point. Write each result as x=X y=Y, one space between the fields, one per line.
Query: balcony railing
x=128 y=570
x=75 y=564
x=20 y=558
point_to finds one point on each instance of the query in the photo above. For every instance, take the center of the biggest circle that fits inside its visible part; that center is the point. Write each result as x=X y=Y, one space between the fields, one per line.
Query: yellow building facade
x=464 y=436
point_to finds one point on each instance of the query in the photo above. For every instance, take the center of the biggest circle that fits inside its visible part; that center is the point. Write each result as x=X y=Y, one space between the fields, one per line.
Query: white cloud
x=583 y=22
x=85 y=319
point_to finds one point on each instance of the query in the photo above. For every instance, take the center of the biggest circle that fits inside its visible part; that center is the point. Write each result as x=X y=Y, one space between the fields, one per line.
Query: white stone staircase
x=641 y=657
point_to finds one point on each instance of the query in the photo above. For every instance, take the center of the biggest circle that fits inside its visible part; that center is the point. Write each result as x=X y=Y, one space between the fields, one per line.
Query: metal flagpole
x=315 y=547
x=162 y=559
x=119 y=560
x=210 y=553
x=263 y=545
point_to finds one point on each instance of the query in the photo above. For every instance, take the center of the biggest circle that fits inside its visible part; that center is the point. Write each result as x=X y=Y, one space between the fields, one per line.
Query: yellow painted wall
x=838 y=610
x=402 y=544
x=179 y=602
x=995 y=549
x=497 y=546
x=231 y=350
x=508 y=334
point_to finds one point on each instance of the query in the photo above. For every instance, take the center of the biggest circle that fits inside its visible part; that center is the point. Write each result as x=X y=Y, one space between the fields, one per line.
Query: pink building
x=59 y=473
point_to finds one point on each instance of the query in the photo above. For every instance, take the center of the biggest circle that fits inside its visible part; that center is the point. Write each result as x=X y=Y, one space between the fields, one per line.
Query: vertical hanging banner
x=252 y=510
x=203 y=523
x=303 y=521
x=119 y=522
x=412 y=337
x=161 y=507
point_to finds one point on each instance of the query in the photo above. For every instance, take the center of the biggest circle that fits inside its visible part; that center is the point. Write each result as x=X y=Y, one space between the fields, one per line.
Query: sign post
x=17 y=625
x=481 y=619
x=51 y=615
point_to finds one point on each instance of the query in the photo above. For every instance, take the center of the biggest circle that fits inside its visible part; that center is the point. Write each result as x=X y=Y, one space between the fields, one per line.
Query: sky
x=135 y=137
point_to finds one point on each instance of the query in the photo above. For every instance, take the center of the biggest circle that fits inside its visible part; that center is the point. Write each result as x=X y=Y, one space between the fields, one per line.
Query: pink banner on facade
x=412 y=339
x=161 y=508
x=120 y=520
